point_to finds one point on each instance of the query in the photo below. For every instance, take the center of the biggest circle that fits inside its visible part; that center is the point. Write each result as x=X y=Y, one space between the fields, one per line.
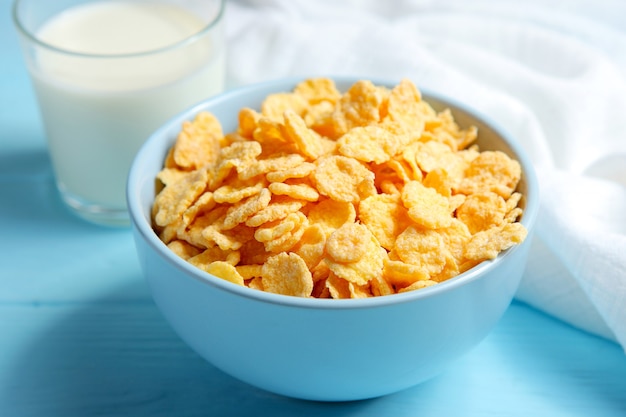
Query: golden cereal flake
x=299 y=171
x=487 y=244
x=296 y=191
x=234 y=194
x=359 y=106
x=385 y=216
x=402 y=274
x=225 y=271
x=316 y=90
x=331 y=214
x=276 y=210
x=425 y=206
x=248 y=122
x=418 y=285
x=491 y=171
x=196 y=144
x=311 y=246
x=245 y=209
x=183 y=249
x=366 y=144
x=175 y=198
x=343 y=179
x=481 y=211
x=287 y=274
x=210 y=255
x=349 y=243
x=250 y=271
x=307 y=141
x=338 y=287
x=404 y=106
x=364 y=269
x=275 y=105
x=424 y=248
x=288 y=240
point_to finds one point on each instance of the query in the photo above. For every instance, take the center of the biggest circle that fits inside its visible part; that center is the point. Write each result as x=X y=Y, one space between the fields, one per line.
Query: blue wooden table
x=80 y=335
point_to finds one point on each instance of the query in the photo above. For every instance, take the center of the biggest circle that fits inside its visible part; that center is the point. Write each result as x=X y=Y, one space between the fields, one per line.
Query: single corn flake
x=425 y=206
x=455 y=237
x=491 y=171
x=338 y=287
x=225 y=271
x=307 y=141
x=210 y=255
x=265 y=166
x=256 y=283
x=404 y=106
x=440 y=181
x=450 y=269
x=197 y=145
x=168 y=176
x=248 y=122
x=223 y=238
x=299 y=171
x=289 y=239
x=359 y=106
x=365 y=143
x=481 y=211
x=359 y=291
x=380 y=287
x=316 y=90
x=331 y=214
x=319 y=117
x=243 y=210
x=385 y=216
x=276 y=210
x=402 y=274
x=234 y=194
x=275 y=230
x=363 y=269
x=296 y=191
x=193 y=232
x=250 y=271
x=424 y=248
x=348 y=243
x=343 y=179
x=311 y=245
x=275 y=105
x=183 y=249
x=175 y=198
x=418 y=285
x=203 y=204
x=287 y=274
x=487 y=244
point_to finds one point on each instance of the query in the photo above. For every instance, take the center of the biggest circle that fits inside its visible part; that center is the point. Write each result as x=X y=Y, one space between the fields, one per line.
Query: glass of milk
x=107 y=73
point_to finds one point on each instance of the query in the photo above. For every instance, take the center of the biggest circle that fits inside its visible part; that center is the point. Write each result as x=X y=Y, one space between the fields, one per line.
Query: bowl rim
x=144 y=228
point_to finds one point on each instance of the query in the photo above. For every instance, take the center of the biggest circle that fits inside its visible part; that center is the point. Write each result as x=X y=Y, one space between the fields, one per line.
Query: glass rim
x=176 y=45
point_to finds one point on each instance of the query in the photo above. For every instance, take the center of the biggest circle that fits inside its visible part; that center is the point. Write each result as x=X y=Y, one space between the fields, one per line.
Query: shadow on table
x=120 y=358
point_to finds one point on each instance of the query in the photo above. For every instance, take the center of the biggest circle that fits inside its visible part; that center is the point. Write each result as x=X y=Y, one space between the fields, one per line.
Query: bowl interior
x=149 y=161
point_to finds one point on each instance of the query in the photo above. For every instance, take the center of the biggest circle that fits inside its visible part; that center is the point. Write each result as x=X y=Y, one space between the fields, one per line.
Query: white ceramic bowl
x=323 y=349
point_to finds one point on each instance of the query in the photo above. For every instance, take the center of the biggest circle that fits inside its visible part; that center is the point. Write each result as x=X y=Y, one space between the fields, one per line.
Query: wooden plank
x=122 y=359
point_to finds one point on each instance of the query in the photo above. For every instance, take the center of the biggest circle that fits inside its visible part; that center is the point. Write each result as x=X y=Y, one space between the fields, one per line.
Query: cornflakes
x=325 y=194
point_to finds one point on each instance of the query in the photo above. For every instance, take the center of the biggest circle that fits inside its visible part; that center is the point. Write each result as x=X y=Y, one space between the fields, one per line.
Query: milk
x=97 y=111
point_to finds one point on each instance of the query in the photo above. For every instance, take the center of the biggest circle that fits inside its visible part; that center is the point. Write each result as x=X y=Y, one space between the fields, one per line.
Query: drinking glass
x=106 y=75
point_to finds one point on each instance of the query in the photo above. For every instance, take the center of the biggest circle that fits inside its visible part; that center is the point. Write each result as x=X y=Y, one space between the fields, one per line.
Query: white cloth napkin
x=552 y=73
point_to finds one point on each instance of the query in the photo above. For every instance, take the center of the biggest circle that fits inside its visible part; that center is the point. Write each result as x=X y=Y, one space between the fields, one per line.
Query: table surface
x=80 y=335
